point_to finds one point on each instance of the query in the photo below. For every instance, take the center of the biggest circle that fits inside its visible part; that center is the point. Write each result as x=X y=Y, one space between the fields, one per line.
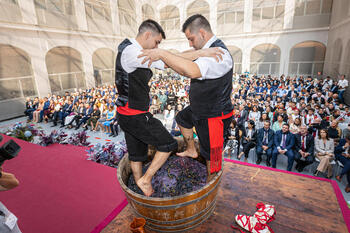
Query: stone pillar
x=213 y=15
x=289 y=11
x=115 y=17
x=80 y=13
x=28 y=12
x=245 y=60
x=88 y=67
x=248 y=15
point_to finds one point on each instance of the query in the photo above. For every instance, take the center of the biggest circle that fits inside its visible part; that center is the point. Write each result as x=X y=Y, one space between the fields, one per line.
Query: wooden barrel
x=174 y=214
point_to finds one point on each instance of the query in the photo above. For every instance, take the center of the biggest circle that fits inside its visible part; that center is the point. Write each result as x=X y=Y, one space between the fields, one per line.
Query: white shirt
x=130 y=62
x=209 y=67
x=343 y=84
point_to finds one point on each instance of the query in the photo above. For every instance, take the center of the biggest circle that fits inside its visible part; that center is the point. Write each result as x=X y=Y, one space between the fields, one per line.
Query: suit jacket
x=321 y=147
x=46 y=105
x=290 y=140
x=243 y=117
x=260 y=137
x=310 y=143
x=253 y=138
x=339 y=149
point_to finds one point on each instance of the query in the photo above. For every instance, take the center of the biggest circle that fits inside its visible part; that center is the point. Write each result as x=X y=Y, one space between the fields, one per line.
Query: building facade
x=51 y=46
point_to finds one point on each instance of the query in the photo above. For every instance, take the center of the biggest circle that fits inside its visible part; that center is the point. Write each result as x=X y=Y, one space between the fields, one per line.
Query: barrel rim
x=129 y=191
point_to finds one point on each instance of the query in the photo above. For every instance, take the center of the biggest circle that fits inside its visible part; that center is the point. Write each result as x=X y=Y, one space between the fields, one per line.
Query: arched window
x=127 y=17
x=336 y=56
x=170 y=20
x=268 y=15
x=307 y=58
x=16 y=75
x=103 y=61
x=198 y=7
x=230 y=16
x=265 y=59
x=236 y=54
x=147 y=12
x=65 y=69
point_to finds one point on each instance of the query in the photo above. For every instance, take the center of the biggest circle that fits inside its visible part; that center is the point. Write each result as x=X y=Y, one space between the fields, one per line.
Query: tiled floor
x=99 y=137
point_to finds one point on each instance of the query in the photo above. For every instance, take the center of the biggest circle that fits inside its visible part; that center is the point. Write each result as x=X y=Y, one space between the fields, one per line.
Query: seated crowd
x=302 y=118
x=296 y=117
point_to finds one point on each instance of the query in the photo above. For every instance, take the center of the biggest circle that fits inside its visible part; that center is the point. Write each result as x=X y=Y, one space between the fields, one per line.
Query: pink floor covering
x=60 y=191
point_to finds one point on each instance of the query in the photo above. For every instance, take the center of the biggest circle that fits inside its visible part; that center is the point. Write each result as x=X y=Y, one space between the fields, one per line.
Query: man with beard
x=210 y=109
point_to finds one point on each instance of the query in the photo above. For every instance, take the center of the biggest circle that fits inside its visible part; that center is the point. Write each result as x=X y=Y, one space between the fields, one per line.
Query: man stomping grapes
x=210 y=109
x=140 y=127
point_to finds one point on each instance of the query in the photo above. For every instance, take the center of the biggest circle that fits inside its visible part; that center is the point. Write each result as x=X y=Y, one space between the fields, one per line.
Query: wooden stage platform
x=303 y=203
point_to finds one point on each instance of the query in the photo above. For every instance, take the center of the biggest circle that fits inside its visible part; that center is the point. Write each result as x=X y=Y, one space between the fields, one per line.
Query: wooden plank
x=302 y=204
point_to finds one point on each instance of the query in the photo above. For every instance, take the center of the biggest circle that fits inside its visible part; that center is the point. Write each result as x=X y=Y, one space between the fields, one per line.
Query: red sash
x=216 y=138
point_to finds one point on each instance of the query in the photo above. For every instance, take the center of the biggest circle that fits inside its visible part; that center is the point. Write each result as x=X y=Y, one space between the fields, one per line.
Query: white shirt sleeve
x=211 y=69
x=130 y=62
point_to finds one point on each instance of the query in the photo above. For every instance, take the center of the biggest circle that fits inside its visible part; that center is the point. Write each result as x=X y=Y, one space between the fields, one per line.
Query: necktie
x=303 y=143
x=265 y=138
x=284 y=141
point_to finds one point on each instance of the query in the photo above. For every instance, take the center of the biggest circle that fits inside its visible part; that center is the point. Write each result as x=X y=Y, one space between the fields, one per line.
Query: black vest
x=211 y=97
x=132 y=87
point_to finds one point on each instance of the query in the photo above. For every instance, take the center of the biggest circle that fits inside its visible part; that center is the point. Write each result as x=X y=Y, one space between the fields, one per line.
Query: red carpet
x=60 y=191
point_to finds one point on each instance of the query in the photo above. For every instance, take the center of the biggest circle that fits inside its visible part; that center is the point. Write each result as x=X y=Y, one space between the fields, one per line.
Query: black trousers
x=247 y=147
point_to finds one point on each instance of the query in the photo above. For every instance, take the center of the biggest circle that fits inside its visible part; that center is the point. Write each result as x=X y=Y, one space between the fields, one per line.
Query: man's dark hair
x=285 y=124
x=196 y=22
x=151 y=25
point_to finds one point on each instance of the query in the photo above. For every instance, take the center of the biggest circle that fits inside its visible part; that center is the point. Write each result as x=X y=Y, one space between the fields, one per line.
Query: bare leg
x=189 y=141
x=136 y=168
x=144 y=182
x=210 y=175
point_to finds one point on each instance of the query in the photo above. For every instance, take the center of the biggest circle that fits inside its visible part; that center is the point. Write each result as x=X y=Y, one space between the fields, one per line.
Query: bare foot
x=188 y=153
x=145 y=186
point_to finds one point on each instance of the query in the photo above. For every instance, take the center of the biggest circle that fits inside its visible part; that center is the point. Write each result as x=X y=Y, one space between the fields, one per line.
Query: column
x=285 y=54
x=115 y=17
x=289 y=11
x=213 y=14
x=245 y=59
x=28 y=12
x=88 y=67
x=80 y=13
x=248 y=15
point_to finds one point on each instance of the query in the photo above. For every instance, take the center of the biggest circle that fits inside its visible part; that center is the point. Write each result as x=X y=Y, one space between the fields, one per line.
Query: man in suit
x=284 y=143
x=304 y=149
x=46 y=107
x=86 y=115
x=66 y=110
x=265 y=143
x=242 y=116
x=342 y=153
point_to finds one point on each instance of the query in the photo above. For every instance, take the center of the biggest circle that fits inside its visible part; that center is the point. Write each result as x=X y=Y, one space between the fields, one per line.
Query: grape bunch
x=177 y=176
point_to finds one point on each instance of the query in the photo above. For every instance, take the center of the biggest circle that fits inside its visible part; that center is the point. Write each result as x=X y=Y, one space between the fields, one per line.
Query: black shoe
x=268 y=163
x=300 y=169
x=54 y=125
x=115 y=135
x=258 y=161
x=62 y=126
x=76 y=128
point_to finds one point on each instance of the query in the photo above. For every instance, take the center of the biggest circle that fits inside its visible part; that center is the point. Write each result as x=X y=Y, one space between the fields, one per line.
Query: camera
x=9 y=150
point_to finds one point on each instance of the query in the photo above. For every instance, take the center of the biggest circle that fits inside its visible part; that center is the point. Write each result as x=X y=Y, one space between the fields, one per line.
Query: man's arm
x=209 y=52
x=183 y=66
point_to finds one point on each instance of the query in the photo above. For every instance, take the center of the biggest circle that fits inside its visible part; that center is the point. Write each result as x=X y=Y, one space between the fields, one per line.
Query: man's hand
x=265 y=147
x=346 y=145
x=150 y=55
x=215 y=52
x=282 y=151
